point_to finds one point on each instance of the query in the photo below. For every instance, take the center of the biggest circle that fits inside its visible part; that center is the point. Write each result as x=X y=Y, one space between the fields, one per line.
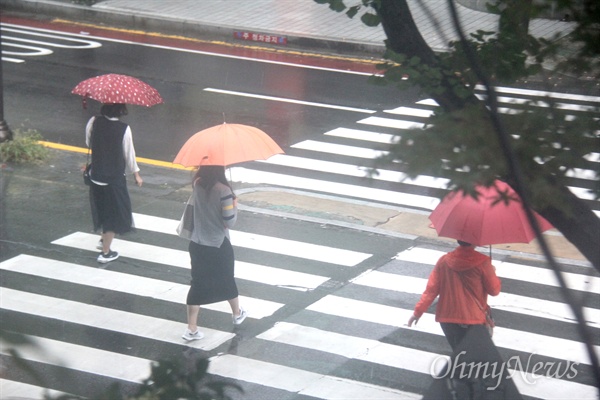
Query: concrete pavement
x=308 y=25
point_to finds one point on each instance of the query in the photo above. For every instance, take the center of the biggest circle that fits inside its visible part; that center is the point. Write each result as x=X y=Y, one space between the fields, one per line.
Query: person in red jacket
x=463 y=279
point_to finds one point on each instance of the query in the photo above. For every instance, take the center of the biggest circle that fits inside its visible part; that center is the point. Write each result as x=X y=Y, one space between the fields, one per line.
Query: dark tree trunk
x=574 y=219
x=514 y=20
x=403 y=37
x=581 y=228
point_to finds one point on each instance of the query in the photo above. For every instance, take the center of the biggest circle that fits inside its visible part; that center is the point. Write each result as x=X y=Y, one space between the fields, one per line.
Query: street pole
x=5 y=132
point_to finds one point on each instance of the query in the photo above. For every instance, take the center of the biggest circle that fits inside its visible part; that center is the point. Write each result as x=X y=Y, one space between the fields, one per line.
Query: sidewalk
x=303 y=23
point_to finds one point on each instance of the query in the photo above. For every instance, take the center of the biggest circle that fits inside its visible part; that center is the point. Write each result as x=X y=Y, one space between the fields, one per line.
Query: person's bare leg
x=235 y=306
x=107 y=238
x=192 y=316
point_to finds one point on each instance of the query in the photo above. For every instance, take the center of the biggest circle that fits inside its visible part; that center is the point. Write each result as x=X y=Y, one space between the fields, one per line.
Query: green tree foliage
x=548 y=141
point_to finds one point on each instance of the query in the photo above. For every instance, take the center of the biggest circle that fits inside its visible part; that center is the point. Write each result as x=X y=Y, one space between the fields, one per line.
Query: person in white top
x=113 y=156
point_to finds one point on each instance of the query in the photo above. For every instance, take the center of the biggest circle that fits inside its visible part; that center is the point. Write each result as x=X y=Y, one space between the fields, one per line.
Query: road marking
x=86 y=359
x=125 y=283
x=411 y=111
x=272 y=244
x=300 y=382
x=86 y=44
x=391 y=123
x=408 y=359
x=245 y=175
x=504 y=301
x=106 y=318
x=286 y=100
x=249 y=271
x=358 y=134
x=340 y=149
x=355 y=171
x=503 y=337
x=540 y=93
x=524 y=273
x=35 y=50
x=19 y=390
x=351 y=347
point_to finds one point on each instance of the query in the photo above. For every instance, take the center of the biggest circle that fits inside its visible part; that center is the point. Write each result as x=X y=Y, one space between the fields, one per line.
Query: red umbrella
x=487 y=220
x=226 y=144
x=116 y=88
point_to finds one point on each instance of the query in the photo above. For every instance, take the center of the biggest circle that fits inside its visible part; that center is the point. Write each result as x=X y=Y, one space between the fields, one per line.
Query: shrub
x=24 y=148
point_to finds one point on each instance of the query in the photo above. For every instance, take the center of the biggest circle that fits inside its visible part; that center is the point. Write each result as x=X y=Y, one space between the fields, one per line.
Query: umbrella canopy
x=227 y=144
x=116 y=88
x=487 y=220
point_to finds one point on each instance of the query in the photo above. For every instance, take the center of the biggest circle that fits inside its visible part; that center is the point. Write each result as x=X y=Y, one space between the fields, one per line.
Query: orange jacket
x=463 y=266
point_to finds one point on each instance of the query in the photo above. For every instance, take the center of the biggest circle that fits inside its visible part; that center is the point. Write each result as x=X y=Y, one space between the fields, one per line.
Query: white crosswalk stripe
x=15 y=390
x=86 y=359
x=40 y=289
x=265 y=243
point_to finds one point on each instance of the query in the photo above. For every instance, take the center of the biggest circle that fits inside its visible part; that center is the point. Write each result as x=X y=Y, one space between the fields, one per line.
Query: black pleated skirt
x=111 y=207
x=212 y=274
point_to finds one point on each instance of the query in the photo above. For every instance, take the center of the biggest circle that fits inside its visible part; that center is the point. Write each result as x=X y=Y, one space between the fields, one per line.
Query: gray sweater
x=214 y=213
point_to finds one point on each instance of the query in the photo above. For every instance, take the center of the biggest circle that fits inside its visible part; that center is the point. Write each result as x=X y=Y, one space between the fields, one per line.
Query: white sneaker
x=239 y=319
x=108 y=257
x=100 y=245
x=189 y=336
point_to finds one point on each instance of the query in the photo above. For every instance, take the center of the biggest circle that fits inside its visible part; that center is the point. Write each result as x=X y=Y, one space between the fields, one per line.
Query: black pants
x=455 y=333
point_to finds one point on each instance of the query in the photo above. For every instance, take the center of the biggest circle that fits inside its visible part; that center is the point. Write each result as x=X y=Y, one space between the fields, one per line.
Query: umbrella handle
x=230 y=185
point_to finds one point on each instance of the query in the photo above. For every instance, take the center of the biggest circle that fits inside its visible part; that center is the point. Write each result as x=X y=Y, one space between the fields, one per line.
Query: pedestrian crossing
x=337 y=162
x=334 y=330
x=317 y=351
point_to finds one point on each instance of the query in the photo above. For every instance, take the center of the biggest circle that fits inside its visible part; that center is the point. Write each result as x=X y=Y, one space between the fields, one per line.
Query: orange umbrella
x=487 y=220
x=226 y=144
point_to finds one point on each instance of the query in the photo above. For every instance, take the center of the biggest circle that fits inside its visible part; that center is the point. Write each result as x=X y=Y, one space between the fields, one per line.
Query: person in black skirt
x=113 y=156
x=211 y=253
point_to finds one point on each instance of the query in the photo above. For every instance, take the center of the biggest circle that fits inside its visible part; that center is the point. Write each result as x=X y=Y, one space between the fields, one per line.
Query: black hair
x=462 y=243
x=113 y=110
x=208 y=175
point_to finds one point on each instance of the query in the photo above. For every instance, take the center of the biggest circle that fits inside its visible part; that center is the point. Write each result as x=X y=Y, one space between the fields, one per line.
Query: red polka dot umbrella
x=116 y=88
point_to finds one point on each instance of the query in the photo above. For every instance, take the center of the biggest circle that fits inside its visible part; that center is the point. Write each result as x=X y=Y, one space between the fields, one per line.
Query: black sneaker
x=108 y=257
